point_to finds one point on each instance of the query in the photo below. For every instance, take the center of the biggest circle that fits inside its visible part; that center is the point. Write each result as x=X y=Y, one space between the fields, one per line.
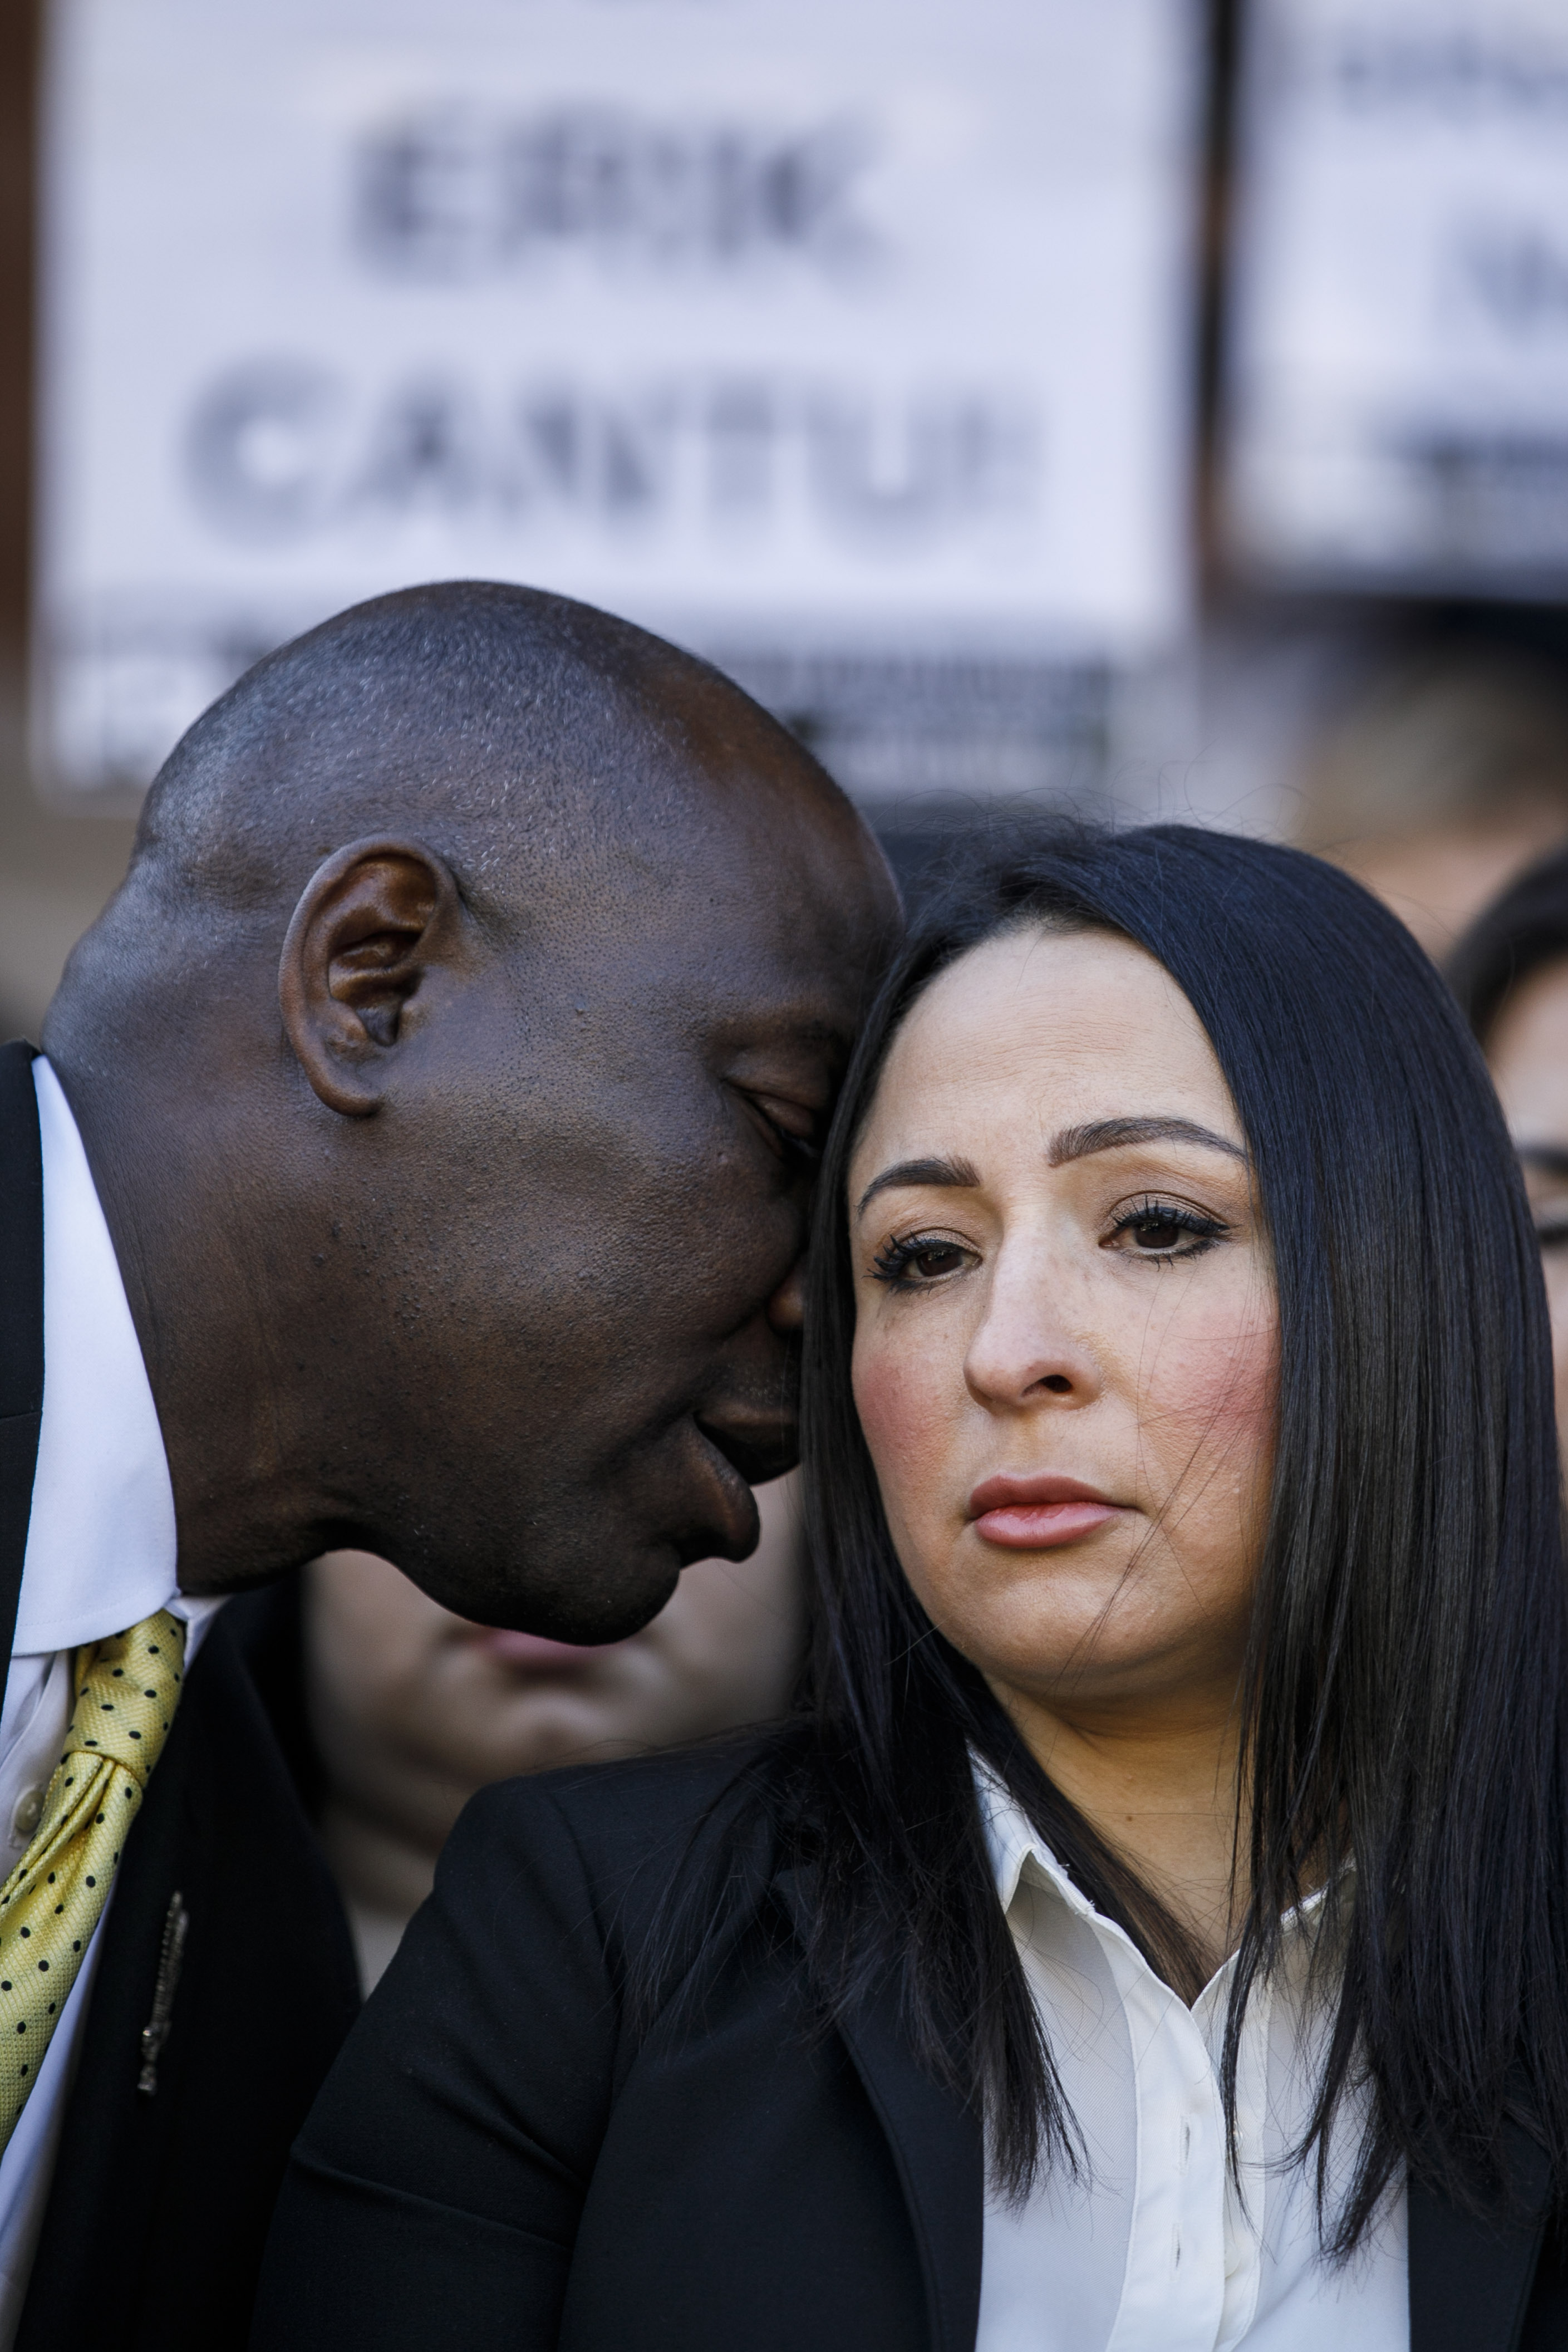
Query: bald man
x=418 y=1164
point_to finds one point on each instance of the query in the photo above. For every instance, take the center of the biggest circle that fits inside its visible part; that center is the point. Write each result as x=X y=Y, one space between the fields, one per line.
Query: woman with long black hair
x=1153 y=1930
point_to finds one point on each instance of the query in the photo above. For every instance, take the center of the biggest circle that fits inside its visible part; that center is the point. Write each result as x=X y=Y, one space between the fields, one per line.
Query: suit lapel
x=1470 y=2282
x=936 y=2147
x=244 y=2026
x=21 y=1323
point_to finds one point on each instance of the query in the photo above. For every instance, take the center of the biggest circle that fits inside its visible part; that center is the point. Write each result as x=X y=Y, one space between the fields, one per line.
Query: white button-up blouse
x=1159 y=2246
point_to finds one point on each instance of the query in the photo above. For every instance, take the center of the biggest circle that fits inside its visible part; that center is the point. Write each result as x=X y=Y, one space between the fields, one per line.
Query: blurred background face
x=1065 y=1338
x=413 y=1709
x=1437 y=878
x=1527 y=1051
x=1439 y=783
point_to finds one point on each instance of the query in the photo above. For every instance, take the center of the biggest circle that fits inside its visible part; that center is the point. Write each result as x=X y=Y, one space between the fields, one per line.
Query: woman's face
x=1529 y=1057
x=1065 y=1338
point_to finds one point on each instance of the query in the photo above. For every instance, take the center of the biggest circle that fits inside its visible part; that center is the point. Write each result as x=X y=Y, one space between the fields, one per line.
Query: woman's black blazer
x=500 y=2160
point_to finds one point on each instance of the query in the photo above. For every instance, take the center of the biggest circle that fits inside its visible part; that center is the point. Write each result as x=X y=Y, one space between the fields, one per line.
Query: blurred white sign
x=1399 y=336
x=830 y=336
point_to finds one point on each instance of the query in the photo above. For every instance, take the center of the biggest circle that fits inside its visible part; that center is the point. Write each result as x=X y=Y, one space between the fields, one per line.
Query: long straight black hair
x=1402 y=1701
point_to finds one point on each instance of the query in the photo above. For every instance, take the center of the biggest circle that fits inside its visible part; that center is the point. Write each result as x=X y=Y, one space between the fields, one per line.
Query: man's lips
x=730 y=1523
x=1034 y=1513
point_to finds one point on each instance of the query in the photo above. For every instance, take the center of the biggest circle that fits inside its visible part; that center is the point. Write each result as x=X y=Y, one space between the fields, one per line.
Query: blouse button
x=29 y=1812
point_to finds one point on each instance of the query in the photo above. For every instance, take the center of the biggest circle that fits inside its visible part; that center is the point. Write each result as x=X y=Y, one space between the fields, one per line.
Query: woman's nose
x=1025 y=1351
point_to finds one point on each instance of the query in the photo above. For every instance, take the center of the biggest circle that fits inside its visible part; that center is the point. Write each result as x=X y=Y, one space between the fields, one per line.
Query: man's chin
x=565 y=1619
x=586 y=1610
x=594 y=1566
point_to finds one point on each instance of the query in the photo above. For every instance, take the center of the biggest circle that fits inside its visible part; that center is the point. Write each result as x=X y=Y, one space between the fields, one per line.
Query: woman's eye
x=1551 y=1229
x=921 y=1258
x=1164 y=1229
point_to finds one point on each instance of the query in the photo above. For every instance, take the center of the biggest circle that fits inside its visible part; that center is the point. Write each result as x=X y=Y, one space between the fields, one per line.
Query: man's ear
x=371 y=923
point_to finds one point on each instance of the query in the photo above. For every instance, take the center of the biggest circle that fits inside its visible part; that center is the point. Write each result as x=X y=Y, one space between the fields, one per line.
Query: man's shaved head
x=521 y=734
x=451 y=1064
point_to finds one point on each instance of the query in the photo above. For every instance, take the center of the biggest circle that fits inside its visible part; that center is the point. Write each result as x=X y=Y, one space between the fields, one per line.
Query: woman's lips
x=1033 y=1514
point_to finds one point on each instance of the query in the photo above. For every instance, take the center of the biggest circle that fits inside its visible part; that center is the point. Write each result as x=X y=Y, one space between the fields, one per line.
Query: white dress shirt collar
x=1014 y=1845
x=1011 y=1841
x=100 y=1541
x=1162 y=2239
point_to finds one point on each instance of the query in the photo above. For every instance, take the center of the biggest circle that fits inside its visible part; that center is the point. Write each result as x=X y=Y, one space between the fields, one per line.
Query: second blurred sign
x=1399 y=337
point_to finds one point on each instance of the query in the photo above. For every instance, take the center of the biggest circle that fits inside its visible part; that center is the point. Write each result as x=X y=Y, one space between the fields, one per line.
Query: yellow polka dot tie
x=126 y=1691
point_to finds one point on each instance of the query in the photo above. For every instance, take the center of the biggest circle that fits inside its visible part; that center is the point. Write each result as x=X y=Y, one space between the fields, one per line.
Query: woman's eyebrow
x=1111 y=1134
x=955 y=1175
x=1546 y=1159
x=1072 y=1143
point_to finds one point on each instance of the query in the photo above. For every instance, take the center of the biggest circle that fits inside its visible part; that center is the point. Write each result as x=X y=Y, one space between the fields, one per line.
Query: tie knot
x=125 y=1692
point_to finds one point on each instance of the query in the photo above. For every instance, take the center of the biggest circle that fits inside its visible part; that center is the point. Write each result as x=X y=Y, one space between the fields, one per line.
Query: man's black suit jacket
x=154 y=2228
x=503 y=2158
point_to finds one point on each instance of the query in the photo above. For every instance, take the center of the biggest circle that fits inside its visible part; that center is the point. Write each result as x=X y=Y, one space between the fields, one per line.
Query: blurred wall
x=55 y=871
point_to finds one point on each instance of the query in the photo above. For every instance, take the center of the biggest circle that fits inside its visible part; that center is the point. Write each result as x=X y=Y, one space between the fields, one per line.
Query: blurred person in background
x=1439 y=783
x=1511 y=974
x=410 y=1710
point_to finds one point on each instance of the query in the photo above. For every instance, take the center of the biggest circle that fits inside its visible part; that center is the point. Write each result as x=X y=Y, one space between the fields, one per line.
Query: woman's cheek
x=1207 y=1406
x=906 y=1410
